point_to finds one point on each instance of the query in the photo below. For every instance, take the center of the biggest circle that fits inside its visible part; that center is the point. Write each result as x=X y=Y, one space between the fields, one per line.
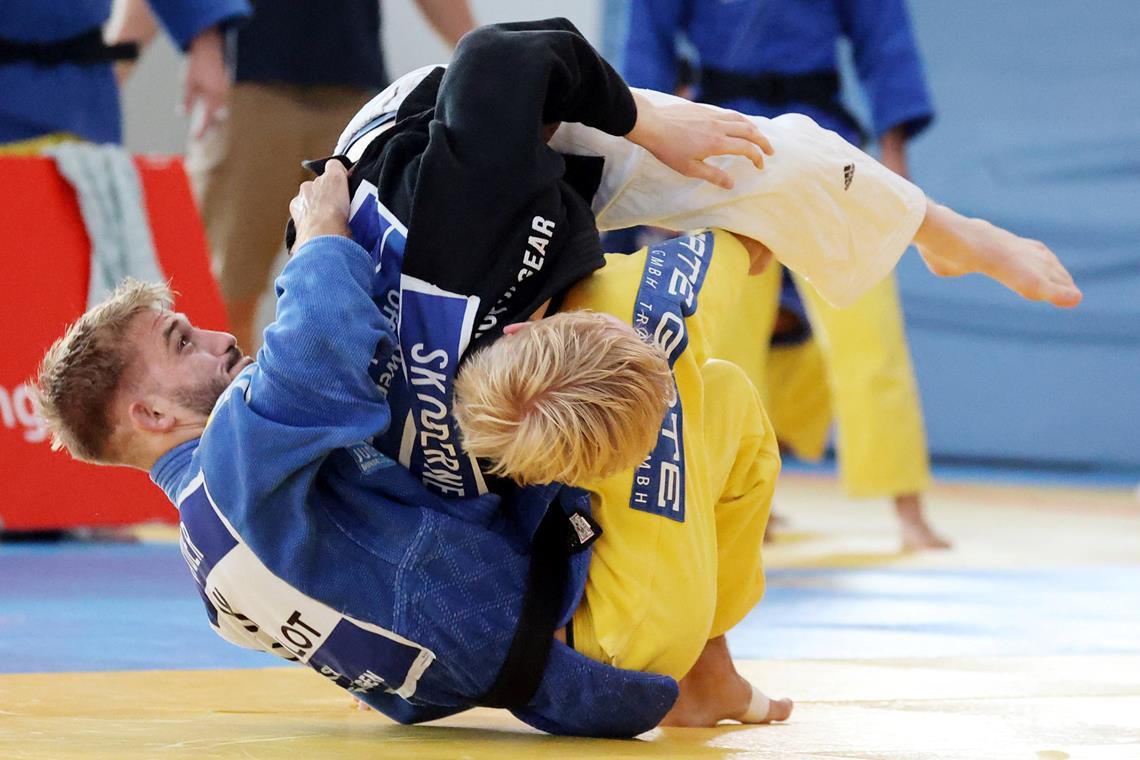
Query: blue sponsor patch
x=364 y=662
x=378 y=231
x=203 y=537
x=671 y=280
x=435 y=327
x=416 y=376
x=204 y=540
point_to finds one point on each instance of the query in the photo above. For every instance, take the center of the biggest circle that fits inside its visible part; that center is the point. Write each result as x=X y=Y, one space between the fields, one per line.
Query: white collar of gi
x=365 y=137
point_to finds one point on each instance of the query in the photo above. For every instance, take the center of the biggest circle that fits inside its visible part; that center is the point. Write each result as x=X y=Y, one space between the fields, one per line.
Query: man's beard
x=202 y=398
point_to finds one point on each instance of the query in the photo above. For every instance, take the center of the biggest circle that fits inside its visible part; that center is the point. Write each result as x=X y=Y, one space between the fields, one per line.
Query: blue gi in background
x=775 y=39
x=81 y=99
x=769 y=57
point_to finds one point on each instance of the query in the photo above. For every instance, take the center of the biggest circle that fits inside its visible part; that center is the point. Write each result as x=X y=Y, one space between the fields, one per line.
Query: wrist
x=646 y=122
x=209 y=38
x=323 y=228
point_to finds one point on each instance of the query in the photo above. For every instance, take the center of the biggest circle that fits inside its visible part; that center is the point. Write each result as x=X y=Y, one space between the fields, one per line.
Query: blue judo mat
x=82 y=607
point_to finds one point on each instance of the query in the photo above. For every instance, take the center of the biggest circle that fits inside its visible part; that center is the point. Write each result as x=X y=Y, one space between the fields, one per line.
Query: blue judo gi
x=414 y=586
x=308 y=542
x=81 y=98
x=782 y=38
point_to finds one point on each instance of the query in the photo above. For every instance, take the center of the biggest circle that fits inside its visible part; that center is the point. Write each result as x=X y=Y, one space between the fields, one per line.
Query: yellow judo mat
x=1049 y=670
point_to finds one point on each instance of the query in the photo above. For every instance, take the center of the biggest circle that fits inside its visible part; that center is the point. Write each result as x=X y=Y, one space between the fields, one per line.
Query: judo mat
x=1022 y=642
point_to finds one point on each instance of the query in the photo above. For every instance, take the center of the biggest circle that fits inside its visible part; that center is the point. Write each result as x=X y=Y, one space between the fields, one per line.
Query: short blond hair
x=82 y=371
x=570 y=399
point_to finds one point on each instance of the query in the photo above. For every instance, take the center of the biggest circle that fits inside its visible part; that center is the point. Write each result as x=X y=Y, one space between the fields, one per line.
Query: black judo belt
x=85 y=48
x=819 y=89
x=558 y=536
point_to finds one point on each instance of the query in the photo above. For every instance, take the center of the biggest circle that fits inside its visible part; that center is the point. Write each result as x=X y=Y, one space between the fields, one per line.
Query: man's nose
x=222 y=342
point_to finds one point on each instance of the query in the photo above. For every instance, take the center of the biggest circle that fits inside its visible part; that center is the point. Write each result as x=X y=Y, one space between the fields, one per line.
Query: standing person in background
x=302 y=69
x=767 y=57
x=56 y=76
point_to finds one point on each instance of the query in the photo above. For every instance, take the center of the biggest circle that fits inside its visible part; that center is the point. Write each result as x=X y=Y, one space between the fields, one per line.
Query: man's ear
x=147 y=418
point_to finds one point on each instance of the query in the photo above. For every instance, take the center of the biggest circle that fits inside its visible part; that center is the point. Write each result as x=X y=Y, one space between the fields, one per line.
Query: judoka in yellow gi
x=767 y=58
x=707 y=519
x=679 y=562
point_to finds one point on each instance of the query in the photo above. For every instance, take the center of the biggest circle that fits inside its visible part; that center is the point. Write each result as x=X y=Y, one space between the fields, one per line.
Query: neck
x=156 y=446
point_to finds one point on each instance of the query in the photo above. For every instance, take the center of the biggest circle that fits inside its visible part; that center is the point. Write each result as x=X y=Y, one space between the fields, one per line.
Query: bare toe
x=779 y=710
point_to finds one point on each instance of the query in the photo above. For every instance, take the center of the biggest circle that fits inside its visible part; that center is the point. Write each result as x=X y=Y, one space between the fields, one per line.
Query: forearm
x=184 y=20
x=326 y=330
x=451 y=19
x=650 y=50
x=131 y=21
x=506 y=81
x=888 y=64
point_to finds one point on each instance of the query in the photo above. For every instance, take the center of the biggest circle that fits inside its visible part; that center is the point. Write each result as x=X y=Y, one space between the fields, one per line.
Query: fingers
x=334 y=172
x=321 y=205
x=330 y=186
x=300 y=202
x=701 y=170
x=212 y=112
x=737 y=146
x=744 y=128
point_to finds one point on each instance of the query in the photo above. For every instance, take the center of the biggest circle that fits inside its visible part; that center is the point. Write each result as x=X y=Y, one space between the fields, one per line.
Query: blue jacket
x=786 y=37
x=308 y=542
x=82 y=99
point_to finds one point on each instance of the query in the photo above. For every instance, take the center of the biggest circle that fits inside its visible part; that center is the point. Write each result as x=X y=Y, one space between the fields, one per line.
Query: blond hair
x=569 y=399
x=82 y=371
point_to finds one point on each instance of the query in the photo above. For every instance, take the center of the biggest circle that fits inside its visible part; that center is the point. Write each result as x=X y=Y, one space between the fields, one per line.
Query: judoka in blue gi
x=422 y=592
x=767 y=57
x=56 y=72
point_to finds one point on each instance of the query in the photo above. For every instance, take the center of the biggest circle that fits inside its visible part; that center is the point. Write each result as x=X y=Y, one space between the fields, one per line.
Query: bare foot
x=920 y=537
x=953 y=245
x=713 y=691
x=917 y=535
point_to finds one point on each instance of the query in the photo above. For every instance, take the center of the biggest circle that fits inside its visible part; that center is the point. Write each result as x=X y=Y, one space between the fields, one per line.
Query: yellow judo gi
x=840 y=220
x=679 y=560
x=857 y=368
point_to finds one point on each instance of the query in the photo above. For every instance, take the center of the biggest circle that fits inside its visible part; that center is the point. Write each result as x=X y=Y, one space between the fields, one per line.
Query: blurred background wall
x=1038 y=129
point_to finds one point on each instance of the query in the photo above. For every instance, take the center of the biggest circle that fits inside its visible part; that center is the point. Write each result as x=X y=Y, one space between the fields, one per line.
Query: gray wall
x=151 y=97
x=1038 y=130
